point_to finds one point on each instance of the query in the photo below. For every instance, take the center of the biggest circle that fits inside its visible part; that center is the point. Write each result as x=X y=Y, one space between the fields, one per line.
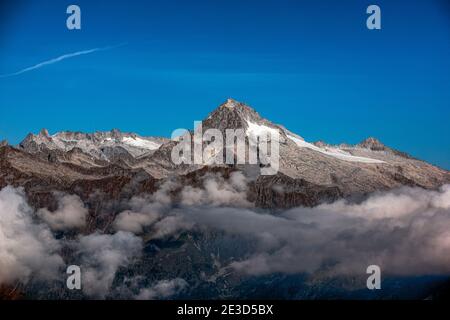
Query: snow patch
x=141 y=143
x=257 y=130
x=333 y=152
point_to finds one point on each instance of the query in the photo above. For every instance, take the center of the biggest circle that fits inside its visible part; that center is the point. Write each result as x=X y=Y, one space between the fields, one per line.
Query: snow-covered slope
x=332 y=151
x=141 y=143
x=259 y=129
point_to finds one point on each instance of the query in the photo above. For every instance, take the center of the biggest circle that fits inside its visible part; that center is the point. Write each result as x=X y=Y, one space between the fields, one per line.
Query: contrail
x=60 y=58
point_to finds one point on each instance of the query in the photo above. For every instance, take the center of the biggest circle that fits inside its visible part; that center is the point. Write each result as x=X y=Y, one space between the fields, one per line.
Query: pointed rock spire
x=44 y=133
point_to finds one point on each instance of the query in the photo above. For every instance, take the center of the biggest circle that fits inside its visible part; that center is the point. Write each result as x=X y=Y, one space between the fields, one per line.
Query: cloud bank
x=26 y=248
x=155 y=213
x=29 y=250
x=404 y=231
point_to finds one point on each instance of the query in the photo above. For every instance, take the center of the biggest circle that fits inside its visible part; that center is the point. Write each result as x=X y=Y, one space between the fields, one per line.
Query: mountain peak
x=372 y=144
x=115 y=133
x=231 y=103
x=231 y=114
x=44 y=133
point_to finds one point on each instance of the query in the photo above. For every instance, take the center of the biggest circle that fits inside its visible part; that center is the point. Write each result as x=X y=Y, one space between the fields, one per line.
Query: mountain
x=309 y=173
x=120 y=175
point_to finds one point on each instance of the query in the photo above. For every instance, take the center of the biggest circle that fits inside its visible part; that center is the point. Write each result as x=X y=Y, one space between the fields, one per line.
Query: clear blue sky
x=312 y=66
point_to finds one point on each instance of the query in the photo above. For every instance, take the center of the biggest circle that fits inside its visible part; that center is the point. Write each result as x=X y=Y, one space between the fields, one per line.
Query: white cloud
x=101 y=256
x=404 y=231
x=216 y=191
x=27 y=249
x=170 y=226
x=71 y=214
x=162 y=289
x=134 y=221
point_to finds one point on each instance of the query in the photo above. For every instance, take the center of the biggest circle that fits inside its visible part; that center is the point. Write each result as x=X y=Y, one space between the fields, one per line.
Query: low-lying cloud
x=154 y=213
x=101 y=255
x=404 y=231
x=71 y=214
x=30 y=251
x=163 y=289
x=216 y=191
x=27 y=249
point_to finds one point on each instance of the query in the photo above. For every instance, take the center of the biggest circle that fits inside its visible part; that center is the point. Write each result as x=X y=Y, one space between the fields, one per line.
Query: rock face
x=121 y=164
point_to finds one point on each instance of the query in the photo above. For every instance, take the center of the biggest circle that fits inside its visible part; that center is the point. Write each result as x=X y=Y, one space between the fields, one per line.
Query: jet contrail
x=60 y=58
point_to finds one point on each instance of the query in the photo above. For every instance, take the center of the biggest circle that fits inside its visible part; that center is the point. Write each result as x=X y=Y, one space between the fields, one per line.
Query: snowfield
x=333 y=152
x=141 y=143
x=256 y=130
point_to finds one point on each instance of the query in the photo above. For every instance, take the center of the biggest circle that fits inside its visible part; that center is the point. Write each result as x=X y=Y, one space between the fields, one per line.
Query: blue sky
x=312 y=66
